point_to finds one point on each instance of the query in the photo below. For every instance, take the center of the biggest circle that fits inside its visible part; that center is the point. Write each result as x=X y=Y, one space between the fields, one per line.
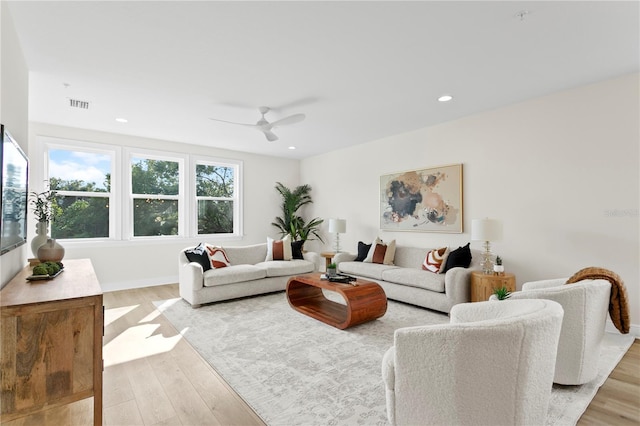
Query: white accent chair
x=491 y=365
x=585 y=304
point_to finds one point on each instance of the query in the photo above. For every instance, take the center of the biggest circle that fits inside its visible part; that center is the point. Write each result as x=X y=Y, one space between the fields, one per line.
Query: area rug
x=294 y=370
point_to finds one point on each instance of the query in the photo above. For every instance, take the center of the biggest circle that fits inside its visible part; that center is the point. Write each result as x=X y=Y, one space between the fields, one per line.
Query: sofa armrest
x=314 y=258
x=457 y=285
x=190 y=278
x=343 y=257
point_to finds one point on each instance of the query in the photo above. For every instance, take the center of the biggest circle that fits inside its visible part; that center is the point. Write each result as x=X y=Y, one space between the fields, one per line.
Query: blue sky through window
x=79 y=165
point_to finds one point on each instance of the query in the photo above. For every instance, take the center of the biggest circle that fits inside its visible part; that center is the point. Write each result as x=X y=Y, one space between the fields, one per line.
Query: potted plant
x=41 y=206
x=332 y=270
x=292 y=224
x=498 y=268
x=501 y=293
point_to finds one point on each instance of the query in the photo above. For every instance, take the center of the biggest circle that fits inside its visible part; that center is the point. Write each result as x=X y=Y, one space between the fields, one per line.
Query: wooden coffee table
x=365 y=300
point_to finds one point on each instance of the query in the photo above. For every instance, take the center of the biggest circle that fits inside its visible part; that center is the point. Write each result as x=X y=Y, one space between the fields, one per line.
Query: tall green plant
x=292 y=224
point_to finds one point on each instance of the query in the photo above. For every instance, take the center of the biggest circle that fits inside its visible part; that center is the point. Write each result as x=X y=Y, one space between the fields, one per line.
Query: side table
x=328 y=257
x=482 y=284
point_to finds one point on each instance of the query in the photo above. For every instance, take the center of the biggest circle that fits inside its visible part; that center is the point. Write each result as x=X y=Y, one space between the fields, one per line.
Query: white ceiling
x=359 y=70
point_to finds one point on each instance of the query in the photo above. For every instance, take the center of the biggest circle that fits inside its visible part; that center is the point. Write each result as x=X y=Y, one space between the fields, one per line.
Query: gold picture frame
x=426 y=200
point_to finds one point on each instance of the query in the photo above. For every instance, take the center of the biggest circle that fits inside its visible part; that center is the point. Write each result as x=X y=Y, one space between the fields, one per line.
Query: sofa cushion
x=233 y=274
x=281 y=268
x=460 y=257
x=365 y=270
x=279 y=249
x=363 y=250
x=414 y=278
x=199 y=255
x=217 y=257
x=435 y=260
x=296 y=249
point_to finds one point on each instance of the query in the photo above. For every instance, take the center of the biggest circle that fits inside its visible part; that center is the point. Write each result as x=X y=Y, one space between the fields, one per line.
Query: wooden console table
x=51 y=347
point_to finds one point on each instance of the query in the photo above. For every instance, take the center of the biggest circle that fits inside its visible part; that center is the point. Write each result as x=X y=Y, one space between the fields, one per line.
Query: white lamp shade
x=337 y=226
x=486 y=230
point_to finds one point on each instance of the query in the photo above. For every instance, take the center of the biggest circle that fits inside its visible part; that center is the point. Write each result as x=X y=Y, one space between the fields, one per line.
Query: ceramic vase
x=50 y=251
x=498 y=269
x=40 y=238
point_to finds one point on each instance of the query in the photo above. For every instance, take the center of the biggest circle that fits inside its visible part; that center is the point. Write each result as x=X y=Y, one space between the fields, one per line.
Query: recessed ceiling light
x=445 y=98
x=292 y=147
x=122 y=120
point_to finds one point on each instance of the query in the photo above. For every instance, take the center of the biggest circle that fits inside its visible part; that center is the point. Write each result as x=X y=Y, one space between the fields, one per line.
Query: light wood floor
x=154 y=377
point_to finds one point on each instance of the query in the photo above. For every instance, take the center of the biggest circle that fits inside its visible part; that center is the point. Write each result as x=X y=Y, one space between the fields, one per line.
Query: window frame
x=121 y=196
x=236 y=165
x=181 y=159
x=114 y=202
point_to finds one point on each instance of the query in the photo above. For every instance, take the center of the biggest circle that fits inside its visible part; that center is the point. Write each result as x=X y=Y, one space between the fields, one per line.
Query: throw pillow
x=390 y=254
x=217 y=257
x=199 y=255
x=372 y=249
x=379 y=253
x=279 y=249
x=460 y=257
x=435 y=259
x=296 y=249
x=363 y=250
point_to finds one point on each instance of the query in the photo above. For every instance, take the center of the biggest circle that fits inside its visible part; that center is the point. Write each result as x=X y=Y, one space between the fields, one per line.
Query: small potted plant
x=331 y=270
x=501 y=293
x=498 y=268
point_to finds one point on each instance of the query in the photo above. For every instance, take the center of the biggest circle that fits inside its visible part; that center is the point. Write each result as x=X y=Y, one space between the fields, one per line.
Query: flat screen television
x=15 y=195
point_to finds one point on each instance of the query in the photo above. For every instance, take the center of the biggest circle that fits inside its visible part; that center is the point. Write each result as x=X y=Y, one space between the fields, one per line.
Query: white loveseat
x=406 y=281
x=248 y=274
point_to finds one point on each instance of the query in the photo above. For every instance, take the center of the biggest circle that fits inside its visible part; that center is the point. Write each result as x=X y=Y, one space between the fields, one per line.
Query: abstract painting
x=427 y=200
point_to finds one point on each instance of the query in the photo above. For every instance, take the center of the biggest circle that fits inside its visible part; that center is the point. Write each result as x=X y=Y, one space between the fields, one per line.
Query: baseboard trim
x=129 y=285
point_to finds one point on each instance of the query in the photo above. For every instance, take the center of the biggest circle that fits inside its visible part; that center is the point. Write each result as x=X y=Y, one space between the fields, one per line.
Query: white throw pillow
x=217 y=257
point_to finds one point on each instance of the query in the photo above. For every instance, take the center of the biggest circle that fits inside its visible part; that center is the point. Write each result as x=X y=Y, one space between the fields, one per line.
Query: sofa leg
x=195 y=306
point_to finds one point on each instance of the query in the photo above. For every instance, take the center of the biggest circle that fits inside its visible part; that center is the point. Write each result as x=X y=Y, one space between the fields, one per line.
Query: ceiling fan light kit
x=265 y=126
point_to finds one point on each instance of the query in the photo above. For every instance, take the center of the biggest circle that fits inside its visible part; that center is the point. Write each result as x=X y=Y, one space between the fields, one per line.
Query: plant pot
x=498 y=269
x=40 y=238
x=50 y=251
x=331 y=272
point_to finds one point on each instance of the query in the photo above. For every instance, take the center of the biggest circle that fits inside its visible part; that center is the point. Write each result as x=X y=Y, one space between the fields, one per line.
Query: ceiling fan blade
x=270 y=135
x=233 y=122
x=296 y=118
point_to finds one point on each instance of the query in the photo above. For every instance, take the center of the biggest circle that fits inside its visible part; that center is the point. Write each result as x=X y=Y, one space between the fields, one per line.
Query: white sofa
x=407 y=282
x=491 y=365
x=247 y=275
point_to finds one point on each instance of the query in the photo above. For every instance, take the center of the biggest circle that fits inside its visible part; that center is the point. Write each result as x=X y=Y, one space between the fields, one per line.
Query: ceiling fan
x=265 y=127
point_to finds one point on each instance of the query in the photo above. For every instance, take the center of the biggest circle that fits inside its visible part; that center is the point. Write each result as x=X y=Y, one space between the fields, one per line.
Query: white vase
x=41 y=237
x=498 y=268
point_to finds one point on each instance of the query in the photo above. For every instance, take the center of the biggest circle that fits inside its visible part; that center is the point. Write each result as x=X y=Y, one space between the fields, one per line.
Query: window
x=216 y=197
x=82 y=181
x=155 y=191
x=106 y=192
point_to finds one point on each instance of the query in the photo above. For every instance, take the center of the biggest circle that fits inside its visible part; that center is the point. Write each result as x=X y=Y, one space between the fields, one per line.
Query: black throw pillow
x=199 y=254
x=363 y=250
x=460 y=257
x=296 y=249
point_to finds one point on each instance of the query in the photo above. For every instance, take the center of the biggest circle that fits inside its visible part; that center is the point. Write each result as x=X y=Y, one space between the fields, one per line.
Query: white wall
x=129 y=264
x=14 y=95
x=560 y=171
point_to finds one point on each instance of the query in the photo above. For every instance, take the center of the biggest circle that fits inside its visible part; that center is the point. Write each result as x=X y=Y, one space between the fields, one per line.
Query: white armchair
x=492 y=364
x=585 y=305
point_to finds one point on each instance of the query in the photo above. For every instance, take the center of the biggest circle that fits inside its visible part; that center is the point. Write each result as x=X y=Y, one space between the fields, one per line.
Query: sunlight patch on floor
x=137 y=342
x=112 y=314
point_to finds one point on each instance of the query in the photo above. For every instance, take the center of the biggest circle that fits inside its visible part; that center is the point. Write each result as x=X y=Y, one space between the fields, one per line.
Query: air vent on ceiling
x=75 y=103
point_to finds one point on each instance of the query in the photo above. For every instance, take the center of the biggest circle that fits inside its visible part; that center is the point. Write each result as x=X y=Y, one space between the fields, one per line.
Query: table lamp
x=486 y=230
x=337 y=226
